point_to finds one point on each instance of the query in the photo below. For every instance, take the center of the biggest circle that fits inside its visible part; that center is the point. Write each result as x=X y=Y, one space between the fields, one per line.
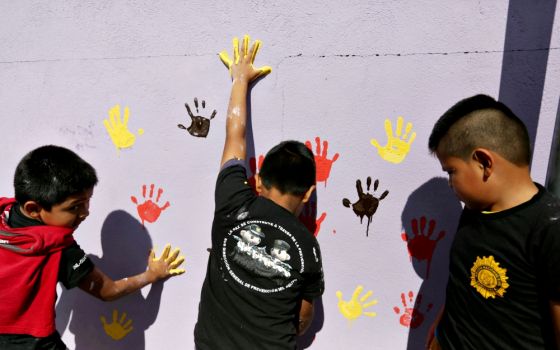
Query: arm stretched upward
x=242 y=74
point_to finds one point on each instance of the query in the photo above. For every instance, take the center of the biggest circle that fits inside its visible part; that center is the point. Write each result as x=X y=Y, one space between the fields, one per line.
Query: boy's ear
x=32 y=209
x=258 y=183
x=308 y=194
x=485 y=160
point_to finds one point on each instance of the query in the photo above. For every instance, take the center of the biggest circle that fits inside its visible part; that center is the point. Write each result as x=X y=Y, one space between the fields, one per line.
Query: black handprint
x=199 y=124
x=367 y=204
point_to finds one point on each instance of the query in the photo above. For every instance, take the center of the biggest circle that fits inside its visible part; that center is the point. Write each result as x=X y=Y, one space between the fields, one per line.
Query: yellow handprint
x=355 y=308
x=117 y=128
x=117 y=329
x=397 y=147
x=228 y=62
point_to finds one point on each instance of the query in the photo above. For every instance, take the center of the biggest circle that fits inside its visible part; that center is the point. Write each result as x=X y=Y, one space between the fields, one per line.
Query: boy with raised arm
x=53 y=187
x=264 y=269
x=504 y=271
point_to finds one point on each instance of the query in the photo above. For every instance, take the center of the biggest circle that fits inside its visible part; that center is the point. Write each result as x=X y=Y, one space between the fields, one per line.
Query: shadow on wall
x=305 y=341
x=553 y=173
x=526 y=49
x=126 y=245
x=429 y=219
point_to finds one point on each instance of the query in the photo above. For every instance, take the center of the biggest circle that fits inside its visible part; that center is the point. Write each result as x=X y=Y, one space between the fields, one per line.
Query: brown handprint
x=411 y=317
x=199 y=125
x=309 y=218
x=367 y=204
x=420 y=246
x=254 y=171
x=149 y=211
x=323 y=165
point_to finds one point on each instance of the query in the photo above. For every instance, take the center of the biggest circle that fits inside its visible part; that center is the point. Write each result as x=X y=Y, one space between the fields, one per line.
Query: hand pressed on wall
x=167 y=264
x=233 y=64
x=117 y=128
x=397 y=147
x=357 y=305
x=119 y=328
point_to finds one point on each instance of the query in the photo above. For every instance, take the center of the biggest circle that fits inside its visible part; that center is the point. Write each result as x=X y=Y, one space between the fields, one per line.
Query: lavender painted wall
x=340 y=69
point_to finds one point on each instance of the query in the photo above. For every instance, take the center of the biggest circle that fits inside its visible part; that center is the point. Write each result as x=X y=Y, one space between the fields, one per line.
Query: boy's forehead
x=86 y=194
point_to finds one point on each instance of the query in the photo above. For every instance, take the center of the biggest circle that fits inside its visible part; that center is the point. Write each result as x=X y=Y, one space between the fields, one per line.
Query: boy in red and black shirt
x=53 y=187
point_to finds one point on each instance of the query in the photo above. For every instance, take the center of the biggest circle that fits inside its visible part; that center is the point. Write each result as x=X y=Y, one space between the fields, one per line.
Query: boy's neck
x=517 y=189
x=287 y=201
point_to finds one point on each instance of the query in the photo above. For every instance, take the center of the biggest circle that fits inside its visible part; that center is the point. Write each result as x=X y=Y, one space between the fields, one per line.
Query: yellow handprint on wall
x=117 y=329
x=356 y=306
x=398 y=146
x=117 y=128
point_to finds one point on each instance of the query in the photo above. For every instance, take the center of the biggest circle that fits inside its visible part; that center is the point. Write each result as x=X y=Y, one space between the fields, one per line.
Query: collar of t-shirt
x=17 y=219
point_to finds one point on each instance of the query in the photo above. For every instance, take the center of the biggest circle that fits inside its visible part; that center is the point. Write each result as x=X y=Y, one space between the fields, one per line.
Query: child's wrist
x=240 y=80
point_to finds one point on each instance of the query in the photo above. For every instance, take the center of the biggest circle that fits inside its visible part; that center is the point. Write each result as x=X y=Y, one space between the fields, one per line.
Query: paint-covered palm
x=241 y=66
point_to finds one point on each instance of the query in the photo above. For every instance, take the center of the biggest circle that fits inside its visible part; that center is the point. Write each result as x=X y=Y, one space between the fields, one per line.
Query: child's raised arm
x=242 y=74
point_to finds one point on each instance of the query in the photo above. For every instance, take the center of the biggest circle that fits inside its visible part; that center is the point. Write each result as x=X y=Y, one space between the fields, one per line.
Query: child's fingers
x=226 y=60
x=264 y=70
x=176 y=263
x=165 y=252
x=236 y=50
x=176 y=272
x=255 y=50
x=173 y=256
x=245 y=47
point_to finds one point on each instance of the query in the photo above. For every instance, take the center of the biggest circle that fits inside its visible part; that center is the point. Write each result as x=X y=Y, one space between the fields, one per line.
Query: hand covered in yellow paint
x=166 y=265
x=241 y=67
x=398 y=146
x=356 y=306
x=117 y=329
x=117 y=128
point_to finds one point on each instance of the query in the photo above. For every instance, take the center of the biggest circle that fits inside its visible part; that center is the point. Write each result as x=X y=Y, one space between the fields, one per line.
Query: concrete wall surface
x=341 y=72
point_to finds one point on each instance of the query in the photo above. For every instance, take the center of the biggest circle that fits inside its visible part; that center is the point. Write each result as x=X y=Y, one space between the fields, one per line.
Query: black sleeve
x=232 y=187
x=314 y=283
x=74 y=266
x=549 y=259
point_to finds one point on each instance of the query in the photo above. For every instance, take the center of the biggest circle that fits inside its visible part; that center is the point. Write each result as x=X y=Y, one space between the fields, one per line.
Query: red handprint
x=308 y=217
x=411 y=317
x=420 y=246
x=254 y=171
x=322 y=163
x=149 y=211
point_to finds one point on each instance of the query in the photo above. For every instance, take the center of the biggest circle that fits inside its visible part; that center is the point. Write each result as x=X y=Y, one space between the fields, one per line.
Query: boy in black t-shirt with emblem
x=504 y=272
x=256 y=295
x=53 y=187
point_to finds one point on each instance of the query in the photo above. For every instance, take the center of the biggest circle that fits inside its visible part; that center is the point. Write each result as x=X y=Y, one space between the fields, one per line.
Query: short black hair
x=481 y=121
x=289 y=167
x=50 y=174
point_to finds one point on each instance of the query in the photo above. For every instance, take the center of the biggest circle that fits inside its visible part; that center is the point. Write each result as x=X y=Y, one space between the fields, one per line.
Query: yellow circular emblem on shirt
x=488 y=278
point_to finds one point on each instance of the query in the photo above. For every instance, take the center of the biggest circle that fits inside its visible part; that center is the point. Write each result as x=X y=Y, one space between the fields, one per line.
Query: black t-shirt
x=74 y=266
x=504 y=269
x=263 y=262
